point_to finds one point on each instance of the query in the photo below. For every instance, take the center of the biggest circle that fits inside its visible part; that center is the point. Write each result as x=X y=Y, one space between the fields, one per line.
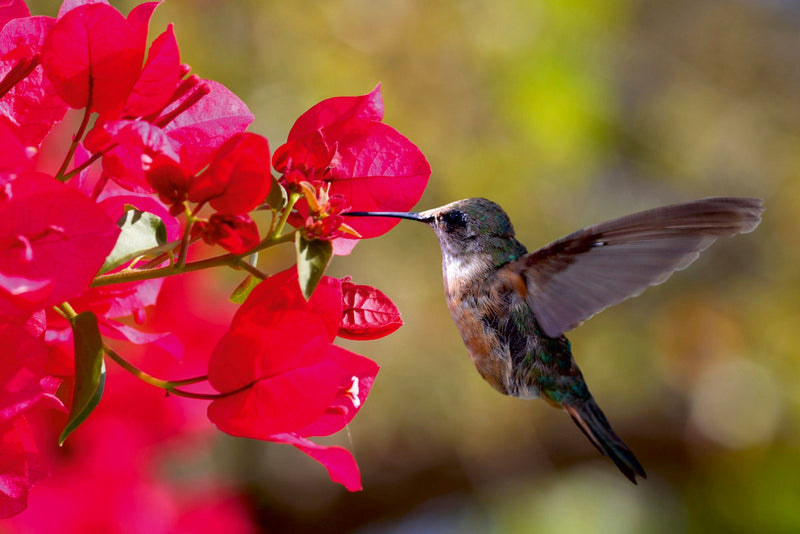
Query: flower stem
x=231 y=260
x=60 y=175
x=171 y=386
x=287 y=210
x=85 y=164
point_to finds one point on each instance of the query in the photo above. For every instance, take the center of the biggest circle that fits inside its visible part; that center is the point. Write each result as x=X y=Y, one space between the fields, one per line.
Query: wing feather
x=575 y=277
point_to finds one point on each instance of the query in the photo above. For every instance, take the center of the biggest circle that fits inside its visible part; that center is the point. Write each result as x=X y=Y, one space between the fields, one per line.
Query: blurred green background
x=567 y=113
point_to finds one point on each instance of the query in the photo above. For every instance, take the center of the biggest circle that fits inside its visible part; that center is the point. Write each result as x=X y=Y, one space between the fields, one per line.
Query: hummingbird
x=512 y=307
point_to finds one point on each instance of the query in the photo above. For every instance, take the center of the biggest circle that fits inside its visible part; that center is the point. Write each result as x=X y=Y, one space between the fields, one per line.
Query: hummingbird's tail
x=592 y=422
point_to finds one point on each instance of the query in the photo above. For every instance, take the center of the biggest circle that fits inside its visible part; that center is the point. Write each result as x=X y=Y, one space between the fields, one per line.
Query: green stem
x=88 y=162
x=231 y=260
x=66 y=310
x=171 y=386
x=293 y=198
x=252 y=269
x=185 y=244
x=75 y=140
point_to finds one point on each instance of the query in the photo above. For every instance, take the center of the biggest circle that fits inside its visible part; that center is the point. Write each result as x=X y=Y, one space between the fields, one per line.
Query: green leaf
x=277 y=196
x=313 y=256
x=243 y=290
x=141 y=232
x=90 y=371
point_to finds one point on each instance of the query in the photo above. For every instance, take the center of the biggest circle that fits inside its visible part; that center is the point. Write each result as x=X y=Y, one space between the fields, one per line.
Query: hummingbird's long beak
x=424 y=217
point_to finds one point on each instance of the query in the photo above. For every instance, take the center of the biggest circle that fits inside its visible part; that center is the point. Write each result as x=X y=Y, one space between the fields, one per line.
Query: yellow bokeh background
x=567 y=113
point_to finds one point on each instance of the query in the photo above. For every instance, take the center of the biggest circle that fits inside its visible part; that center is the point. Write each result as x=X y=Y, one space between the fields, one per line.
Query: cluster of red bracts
x=174 y=147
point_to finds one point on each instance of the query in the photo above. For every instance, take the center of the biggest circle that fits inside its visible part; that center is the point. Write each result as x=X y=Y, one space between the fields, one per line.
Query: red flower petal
x=205 y=126
x=19 y=466
x=356 y=374
x=32 y=104
x=12 y=10
x=271 y=326
x=367 y=313
x=378 y=169
x=23 y=380
x=341 y=465
x=158 y=79
x=339 y=109
x=25 y=293
x=138 y=142
x=280 y=294
x=93 y=57
x=234 y=233
x=139 y=20
x=49 y=231
x=239 y=176
x=16 y=157
x=278 y=402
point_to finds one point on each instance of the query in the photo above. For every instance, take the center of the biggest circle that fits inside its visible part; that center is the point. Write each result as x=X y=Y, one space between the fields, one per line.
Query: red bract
x=16 y=156
x=24 y=386
x=138 y=144
x=371 y=165
x=27 y=98
x=23 y=382
x=205 y=126
x=238 y=178
x=170 y=181
x=284 y=378
x=339 y=109
x=341 y=465
x=49 y=231
x=367 y=313
x=158 y=79
x=93 y=57
x=19 y=466
x=25 y=293
x=234 y=233
x=11 y=10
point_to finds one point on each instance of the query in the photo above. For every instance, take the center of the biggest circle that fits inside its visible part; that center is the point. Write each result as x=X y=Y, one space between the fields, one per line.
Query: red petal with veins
x=92 y=57
x=238 y=178
x=339 y=109
x=158 y=79
x=32 y=105
x=205 y=126
x=367 y=313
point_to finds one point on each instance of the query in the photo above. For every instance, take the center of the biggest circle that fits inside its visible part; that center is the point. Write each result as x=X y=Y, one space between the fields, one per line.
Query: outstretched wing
x=579 y=275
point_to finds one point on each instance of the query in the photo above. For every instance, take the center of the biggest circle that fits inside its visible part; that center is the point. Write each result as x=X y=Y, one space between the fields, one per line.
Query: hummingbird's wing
x=579 y=275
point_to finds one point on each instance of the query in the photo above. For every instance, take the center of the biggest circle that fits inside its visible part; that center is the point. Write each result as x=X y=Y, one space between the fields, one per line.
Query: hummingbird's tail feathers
x=592 y=422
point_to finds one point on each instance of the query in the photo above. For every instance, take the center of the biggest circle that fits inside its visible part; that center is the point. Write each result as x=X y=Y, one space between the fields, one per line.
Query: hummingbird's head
x=463 y=227
x=468 y=225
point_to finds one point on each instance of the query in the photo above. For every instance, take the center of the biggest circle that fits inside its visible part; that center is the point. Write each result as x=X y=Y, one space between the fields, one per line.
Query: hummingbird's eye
x=454 y=219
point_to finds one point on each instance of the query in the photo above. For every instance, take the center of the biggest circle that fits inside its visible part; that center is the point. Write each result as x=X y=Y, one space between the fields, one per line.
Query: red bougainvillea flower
x=51 y=232
x=24 y=386
x=95 y=58
x=324 y=220
x=234 y=233
x=367 y=313
x=238 y=178
x=170 y=181
x=131 y=147
x=342 y=142
x=16 y=157
x=283 y=377
x=11 y=10
x=27 y=98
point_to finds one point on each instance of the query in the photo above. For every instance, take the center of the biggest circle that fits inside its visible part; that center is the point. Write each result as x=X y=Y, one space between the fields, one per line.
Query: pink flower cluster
x=160 y=161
